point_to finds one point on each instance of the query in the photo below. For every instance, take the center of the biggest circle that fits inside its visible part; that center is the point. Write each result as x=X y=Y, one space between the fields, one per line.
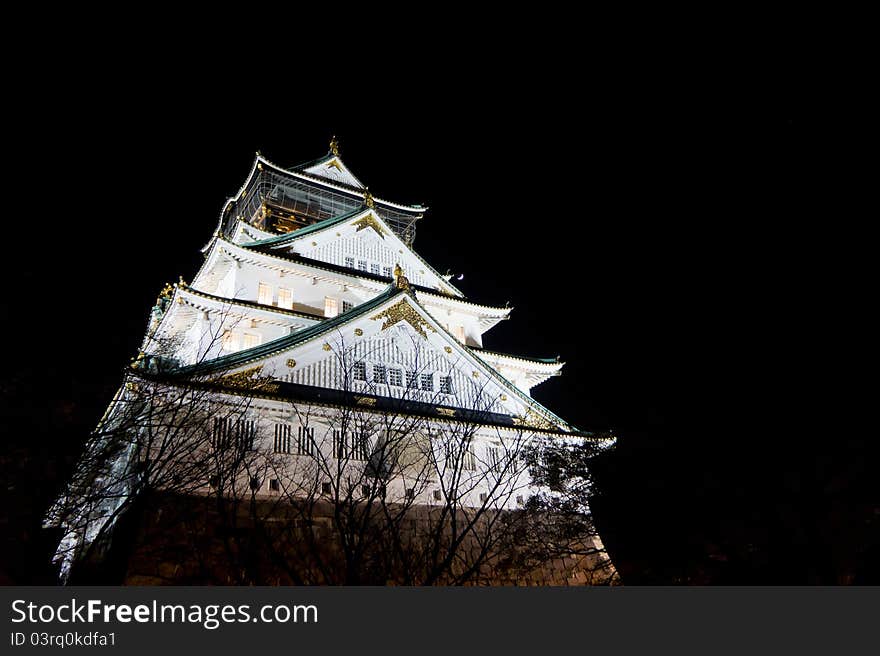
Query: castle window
x=362 y=265
x=459 y=334
x=264 y=294
x=325 y=488
x=493 y=455
x=380 y=374
x=428 y=382
x=483 y=497
x=331 y=307
x=374 y=268
x=274 y=485
x=282 y=438
x=468 y=458
x=446 y=384
x=395 y=377
x=305 y=441
x=360 y=371
x=437 y=495
x=386 y=271
x=339 y=450
x=360 y=446
x=285 y=298
x=349 y=262
x=410 y=493
x=346 y=306
x=411 y=379
x=255 y=483
x=227 y=433
x=250 y=340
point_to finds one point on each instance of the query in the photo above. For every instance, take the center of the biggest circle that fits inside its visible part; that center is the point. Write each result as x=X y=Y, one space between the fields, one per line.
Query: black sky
x=638 y=215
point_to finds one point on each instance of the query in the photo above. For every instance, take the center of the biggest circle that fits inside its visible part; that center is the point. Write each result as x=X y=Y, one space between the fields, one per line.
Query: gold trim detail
x=291 y=363
x=403 y=311
x=249 y=379
x=326 y=346
x=533 y=420
x=448 y=349
x=334 y=146
x=504 y=397
x=369 y=221
x=476 y=374
x=365 y=400
x=446 y=412
x=334 y=163
x=368 y=198
x=358 y=332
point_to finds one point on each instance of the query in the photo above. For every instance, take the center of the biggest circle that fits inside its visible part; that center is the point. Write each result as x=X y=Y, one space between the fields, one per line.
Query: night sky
x=645 y=226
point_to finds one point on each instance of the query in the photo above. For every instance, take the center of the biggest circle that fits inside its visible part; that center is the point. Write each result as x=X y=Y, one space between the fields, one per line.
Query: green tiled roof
x=282 y=343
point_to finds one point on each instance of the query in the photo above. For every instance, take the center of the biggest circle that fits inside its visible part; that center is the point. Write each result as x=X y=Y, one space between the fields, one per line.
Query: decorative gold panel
x=403 y=311
x=446 y=412
x=291 y=363
x=369 y=221
x=365 y=400
x=358 y=332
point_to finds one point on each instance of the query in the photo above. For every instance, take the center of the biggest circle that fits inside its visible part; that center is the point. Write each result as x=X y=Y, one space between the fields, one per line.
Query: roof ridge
x=251 y=304
x=517 y=357
x=247 y=355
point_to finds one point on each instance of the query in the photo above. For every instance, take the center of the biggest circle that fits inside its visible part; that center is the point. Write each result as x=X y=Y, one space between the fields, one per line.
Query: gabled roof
x=524 y=358
x=330 y=167
x=264 y=351
x=327 y=224
x=276 y=346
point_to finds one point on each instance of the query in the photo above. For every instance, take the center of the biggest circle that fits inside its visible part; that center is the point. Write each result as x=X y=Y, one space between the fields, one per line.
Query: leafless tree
x=372 y=483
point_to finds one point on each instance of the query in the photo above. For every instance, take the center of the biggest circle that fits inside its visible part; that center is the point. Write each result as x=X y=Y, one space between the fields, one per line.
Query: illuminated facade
x=311 y=299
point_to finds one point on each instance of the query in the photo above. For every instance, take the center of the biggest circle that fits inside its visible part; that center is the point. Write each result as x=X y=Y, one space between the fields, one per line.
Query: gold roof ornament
x=334 y=146
x=368 y=198
x=181 y=282
x=400 y=280
x=403 y=311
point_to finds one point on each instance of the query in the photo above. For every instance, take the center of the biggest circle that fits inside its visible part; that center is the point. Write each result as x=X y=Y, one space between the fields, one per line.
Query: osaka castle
x=318 y=378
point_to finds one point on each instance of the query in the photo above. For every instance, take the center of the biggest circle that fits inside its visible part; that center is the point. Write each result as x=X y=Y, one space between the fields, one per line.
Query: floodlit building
x=333 y=360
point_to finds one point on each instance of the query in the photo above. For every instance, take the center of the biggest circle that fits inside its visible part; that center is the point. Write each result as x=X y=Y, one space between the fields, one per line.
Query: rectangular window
x=325 y=488
x=386 y=271
x=331 y=307
x=339 y=451
x=227 y=433
x=349 y=262
x=395 y=377
x=493 y=456
x=285 y=298
x=446 y=384
x=264 y=294
x=360 y=371
x=437 y=495
x=346 y=306
x=469 y=458
x=305 y=441
x=380 y=374
x=459 y=334
x=360 y=446
x=428 y=382
x=410 y=493
x=282 y=438
x=374 y=268
x=250 y=340
x=274 y=485
x=411 y=379
x=362 y=265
